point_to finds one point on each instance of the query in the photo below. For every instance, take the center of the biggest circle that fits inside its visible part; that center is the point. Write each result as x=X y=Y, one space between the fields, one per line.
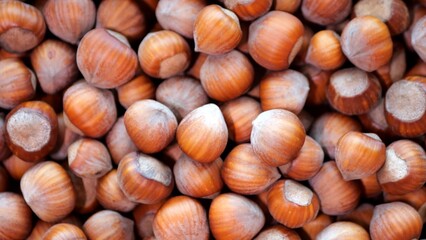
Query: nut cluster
x=202 y=119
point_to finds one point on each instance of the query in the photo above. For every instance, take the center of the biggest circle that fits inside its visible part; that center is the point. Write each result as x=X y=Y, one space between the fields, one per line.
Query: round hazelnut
x=287 y=40
x=106 y=59
x=244 y=173
x=88 y=110
x=216 y=30
x=277 y=137
x=164 y=54
x=150 y=125
x=31 y=130
x=48 y=190
x=15 y=216
x=232 y=216
x=286 y=90
x=199 y=180
x=22 y=26
x=367 y=43
x=70 y=20
x=144 y=179
x=107 y=224
x=227 y=76
x=202 y=134
x=17 y=82
x=181 y=217
x=121 y=16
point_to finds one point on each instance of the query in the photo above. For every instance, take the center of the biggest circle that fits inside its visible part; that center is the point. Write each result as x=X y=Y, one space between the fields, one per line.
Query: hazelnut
x=324 y=51
x=392 y=12
x=54 y=64
x=405 y=168
x=119 y=142
x=144 y=179
x=109 y=194
x=179 y=15
x=107 y=224
x=15 y=216
x=244 y=173
x=164 y=54
x=239 y=115
x=338 y=198
x=181 y=95
x=121 y=16
x=181 y=217
x=367 y=43
x=17 y=82
x=233 y=216
x=326 y=12
x=248 y=10
x=292 y=204
x=277 y=136
x=48 y=190
x=286 y=42
x=359 y=155
x=307 y=163
x=395 y=220
x=202 y=134
x=88 y=110
x=139 y=88
x=22 y=26
x=89 y=158
x=227 y=76
x=199 y=180
x=96 y=64
x=352 y=91
x=31 y=130
x=150 y=125
x=216 y=30
x=343 y=230
x=70 y=20
x=405 y=107
x=286 y=90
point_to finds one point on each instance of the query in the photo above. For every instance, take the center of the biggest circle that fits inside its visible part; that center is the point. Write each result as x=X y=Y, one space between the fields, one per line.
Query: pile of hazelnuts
x=212 y=119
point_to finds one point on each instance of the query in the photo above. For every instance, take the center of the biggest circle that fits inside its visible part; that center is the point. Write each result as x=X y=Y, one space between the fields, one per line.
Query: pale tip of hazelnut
x=155 y=170
x=394 y=168
x=18 y=125
x=297 y=193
